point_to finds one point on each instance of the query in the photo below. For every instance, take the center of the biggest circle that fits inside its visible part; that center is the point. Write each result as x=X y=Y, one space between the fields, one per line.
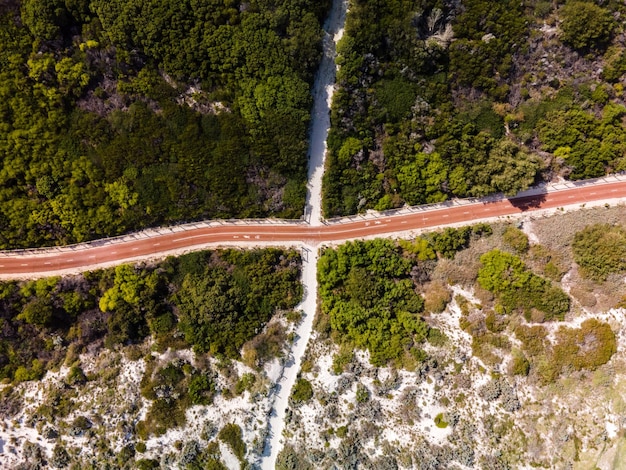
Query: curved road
x=35 y=263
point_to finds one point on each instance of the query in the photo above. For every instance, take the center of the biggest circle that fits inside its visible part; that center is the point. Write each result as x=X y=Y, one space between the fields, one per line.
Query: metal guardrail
x=370 y=215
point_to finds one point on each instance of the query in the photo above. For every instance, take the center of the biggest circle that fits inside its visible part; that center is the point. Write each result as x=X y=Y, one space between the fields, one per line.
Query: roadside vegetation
x=137 y=352
x=498 y=334
x=118 y=115
x=183 y=302
x=455 y=99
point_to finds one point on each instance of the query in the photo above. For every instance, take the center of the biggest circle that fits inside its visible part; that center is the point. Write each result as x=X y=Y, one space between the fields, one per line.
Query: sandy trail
x=320 y=123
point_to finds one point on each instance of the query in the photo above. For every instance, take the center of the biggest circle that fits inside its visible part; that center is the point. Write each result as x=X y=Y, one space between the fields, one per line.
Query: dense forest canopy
x=440 y=99
x=116 y=115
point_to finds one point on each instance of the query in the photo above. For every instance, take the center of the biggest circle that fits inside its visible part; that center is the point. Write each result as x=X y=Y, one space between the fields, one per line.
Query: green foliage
x=600 y=250
x=94 y=141
x=404 y=84
x=201 y=389
x=245 y=383
x=366 y=290
x=231 y=434
x=590 y=146
x=172 y=389
x=587 y=347
x=362 y=393
x=586 y=25
x=516 y=239
x=440 y=421
x=44 y=321
x=451 y=240
x=517 y=288
x=238 y=301
x=302 y=391
x=520 y=365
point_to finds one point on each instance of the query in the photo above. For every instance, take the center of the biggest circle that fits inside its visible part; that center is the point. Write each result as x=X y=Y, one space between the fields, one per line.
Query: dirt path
x=320 y=123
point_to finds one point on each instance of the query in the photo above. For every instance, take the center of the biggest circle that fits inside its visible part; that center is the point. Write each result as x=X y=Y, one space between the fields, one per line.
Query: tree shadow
x=531 y=202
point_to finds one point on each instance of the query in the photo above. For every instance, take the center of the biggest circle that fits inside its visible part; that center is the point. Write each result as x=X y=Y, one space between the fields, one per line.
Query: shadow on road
x=526 y=203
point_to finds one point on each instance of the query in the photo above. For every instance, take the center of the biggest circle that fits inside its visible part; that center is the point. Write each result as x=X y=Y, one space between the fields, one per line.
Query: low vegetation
x=181 y=302
x=600 y=250
x=517 y=288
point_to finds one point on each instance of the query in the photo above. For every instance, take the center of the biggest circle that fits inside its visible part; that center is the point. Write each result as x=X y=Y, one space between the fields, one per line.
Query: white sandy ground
x=308 y=306
x=320 y=123
x=543 y=403
x=119 y=402
x=323 y=90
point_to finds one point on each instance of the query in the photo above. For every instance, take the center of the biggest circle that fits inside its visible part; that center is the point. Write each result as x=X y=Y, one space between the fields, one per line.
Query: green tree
x=586 y=25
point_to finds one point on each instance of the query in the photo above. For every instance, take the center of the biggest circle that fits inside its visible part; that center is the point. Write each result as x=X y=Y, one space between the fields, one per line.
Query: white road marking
x=47 y=262
x=134 y=249
x=446 y=215
x=24 y=264
x=377 y=222
x=156 y=244
x=246 y=236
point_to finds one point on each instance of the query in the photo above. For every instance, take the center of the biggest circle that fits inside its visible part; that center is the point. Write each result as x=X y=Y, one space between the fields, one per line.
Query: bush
x=600 y=250
x=587 y=347
x=437 y=297
x=507 y=277
x=302 y=391
x=366 y=290
x=362 y=393
x=586 y=25
x=519 y=365
x=439 y=421
x=516 y=239
x=231 y=434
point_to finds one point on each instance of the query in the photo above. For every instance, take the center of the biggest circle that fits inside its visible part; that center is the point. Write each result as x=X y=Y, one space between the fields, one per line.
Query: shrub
x=519 y=365
x=516 y=239
x=600 y=250
x=201 y=389
x=245 y=383
x=439 y=421
x=585 y=25
x=587 y=347
x=302 y=391
x=231 y=434
x=437 y=297
x=362 y=393
x=516 y=287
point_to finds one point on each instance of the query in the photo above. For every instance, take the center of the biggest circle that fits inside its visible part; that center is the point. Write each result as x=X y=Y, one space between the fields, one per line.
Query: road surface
x=33 y=263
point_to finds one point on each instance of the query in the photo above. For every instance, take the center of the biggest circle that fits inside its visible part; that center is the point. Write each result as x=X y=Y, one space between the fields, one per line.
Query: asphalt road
x=19 y=264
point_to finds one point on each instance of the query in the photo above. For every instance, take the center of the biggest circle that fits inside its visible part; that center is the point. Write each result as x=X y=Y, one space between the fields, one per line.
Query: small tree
x=586 y=25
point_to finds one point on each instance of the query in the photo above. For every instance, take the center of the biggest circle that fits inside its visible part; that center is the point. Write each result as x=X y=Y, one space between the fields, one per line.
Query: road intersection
x=160 y=243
